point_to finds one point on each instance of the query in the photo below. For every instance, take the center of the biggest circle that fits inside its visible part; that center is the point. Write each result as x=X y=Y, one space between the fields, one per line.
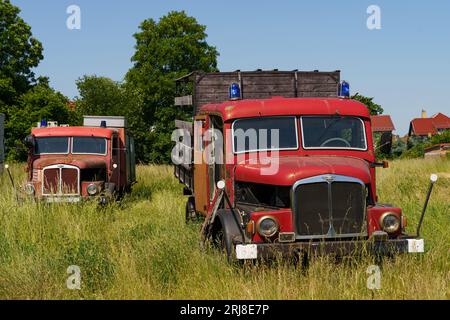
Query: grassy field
x=142 y=249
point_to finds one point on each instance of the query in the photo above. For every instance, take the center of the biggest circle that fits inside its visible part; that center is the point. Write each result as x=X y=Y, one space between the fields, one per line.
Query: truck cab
x=68 y=164
x=288 y=175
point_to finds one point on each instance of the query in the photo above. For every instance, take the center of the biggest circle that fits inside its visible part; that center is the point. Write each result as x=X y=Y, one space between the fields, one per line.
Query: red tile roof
x=382 y=123
x=441 y=121
x=422 y=127
x=427 y=126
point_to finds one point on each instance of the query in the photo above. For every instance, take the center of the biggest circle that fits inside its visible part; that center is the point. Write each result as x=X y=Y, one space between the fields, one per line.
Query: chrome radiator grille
x=61 y=180
x=329 y=206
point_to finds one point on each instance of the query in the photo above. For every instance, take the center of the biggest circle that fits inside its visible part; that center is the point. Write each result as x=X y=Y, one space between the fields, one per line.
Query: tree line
x=164 y=50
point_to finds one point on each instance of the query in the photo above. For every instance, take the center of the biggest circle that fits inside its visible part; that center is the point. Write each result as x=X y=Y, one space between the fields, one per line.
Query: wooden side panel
x=213 y=87
x=318 y=84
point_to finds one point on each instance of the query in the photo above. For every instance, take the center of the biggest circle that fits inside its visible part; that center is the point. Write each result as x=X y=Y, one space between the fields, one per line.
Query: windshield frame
x=97 y=154
x=297 y=144
x=334 y=148
x=52 y=153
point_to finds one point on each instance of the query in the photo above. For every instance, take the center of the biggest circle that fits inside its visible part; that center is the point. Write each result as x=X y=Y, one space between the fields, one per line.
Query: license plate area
x=246 y=252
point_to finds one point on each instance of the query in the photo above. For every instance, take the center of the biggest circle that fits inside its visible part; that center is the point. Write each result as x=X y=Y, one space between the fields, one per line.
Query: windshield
x=262 y=134
x=333 y=133
x=52 y=145
x=89 y=145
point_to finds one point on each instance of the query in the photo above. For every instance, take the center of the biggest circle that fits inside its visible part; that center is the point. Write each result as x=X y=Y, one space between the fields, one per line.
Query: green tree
x=41 y=102
x=99 y=96
x=165 y=50
x=104 y=97
x=20 y=52
x=374 y=108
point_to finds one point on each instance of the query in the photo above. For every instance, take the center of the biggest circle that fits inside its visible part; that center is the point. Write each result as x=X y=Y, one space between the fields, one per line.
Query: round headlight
x=92 y=189
x=390 y=222
x=268 y=227
x=29 y=189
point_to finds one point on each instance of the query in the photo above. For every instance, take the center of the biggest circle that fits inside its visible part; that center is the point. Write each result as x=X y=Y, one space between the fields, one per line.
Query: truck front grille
x=329 y=206
x=61 y=180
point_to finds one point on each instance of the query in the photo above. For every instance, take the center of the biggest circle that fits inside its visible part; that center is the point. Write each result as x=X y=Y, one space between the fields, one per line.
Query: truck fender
x=225 y=222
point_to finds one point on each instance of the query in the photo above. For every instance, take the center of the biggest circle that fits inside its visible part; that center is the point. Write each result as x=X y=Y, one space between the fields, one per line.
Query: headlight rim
x=387 y=214
x=258 y=226
x=90 y=186
x=29 y=186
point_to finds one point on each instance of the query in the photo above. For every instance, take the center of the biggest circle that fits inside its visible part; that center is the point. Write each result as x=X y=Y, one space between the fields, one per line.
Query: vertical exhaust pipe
x=12 y=181
x=433 y=180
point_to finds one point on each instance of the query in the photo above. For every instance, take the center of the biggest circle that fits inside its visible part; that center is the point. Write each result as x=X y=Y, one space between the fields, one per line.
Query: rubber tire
x=226 y=233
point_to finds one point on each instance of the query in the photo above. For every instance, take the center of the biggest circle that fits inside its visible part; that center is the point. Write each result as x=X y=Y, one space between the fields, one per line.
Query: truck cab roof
x=73 y=132
x=279 y=106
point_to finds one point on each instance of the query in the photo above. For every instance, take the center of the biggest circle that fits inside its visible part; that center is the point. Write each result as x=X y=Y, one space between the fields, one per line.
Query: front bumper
x=342 y=248
x=66 y=199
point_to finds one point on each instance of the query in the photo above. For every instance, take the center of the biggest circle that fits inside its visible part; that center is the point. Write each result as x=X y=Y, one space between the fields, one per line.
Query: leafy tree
x=166 y=50
x=99 y=96
x=20 y=52
x=398 y=147
x=41 y=102
x=104 y=97
x=375 y=109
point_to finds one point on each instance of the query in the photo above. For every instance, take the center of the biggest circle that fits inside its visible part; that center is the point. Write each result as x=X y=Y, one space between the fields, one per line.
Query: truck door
x=201 y=181
x=215 y=154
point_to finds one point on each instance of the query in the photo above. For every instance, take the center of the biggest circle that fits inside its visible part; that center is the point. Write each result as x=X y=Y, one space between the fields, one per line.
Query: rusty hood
x=81 y=162
x=292 y=169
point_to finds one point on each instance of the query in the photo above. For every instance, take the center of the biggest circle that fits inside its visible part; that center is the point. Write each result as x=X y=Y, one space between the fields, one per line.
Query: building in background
x=438 y=150
x=427 y=127
x=382 y=123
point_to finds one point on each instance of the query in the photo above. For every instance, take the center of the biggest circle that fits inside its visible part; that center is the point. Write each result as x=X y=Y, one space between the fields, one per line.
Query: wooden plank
x=183 y=101
x=213 y=87
x=189 y=126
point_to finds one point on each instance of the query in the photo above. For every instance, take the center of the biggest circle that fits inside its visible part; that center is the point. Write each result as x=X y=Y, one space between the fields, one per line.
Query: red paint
x=231 y=110
x=73 y=132
x=294 y=168
x=373 y=218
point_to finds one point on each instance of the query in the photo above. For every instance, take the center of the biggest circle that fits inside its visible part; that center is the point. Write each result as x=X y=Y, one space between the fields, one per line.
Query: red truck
x=284 y=166
x=68 y=164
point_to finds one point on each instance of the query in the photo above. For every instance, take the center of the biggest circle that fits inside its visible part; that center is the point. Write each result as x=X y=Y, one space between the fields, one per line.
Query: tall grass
x=142 y=249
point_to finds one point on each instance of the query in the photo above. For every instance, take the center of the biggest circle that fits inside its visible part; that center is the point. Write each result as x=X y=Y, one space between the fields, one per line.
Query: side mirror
x=386 y=143
x=30 y=141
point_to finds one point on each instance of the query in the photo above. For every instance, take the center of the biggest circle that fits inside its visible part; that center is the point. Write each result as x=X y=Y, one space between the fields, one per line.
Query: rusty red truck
x=282 y=163
x=68 y=164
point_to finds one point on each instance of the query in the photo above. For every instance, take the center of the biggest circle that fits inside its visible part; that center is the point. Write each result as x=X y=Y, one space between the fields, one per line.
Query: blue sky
x=405 y=65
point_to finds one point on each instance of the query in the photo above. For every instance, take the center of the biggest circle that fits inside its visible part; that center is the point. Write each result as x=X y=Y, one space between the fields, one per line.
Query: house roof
x=423 y=127
x=426 y=126
x=72 y=132
x=382 y=123
x=441 y=121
